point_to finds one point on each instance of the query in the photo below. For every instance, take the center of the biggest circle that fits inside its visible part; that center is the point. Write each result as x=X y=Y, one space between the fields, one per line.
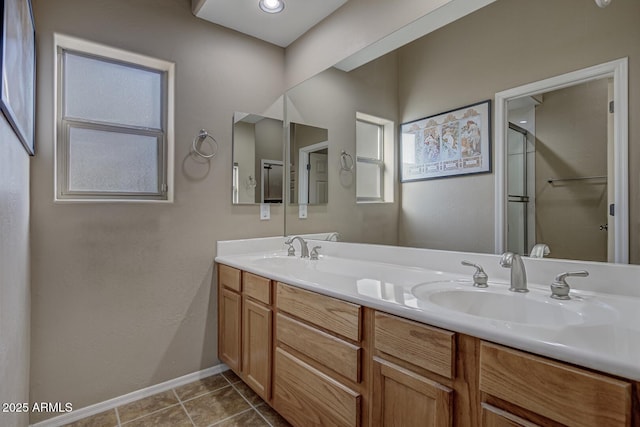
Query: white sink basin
x=496 y=302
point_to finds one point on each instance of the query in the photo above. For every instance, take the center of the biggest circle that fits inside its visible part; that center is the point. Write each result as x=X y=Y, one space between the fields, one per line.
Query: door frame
x=618 y=71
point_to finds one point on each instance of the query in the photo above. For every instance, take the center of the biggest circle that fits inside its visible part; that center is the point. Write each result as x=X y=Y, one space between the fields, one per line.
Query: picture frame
x=448 y=144
x=17 y=67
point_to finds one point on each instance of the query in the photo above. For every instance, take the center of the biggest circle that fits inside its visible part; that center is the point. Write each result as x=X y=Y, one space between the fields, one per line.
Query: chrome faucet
x=518 y=274
x=304 y=249
x=335 y=236
x=539 y=250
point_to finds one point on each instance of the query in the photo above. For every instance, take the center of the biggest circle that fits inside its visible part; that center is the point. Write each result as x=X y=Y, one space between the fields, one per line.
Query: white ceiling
x=280 y=29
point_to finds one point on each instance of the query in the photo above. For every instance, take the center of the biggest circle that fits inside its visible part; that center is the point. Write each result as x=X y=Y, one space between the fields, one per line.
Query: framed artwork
x=17 y=65
x=453 y=143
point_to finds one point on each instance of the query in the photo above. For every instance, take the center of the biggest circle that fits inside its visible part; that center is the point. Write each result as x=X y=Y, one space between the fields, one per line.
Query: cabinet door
x=229 y=321
x=402 y=398
x=256 y=349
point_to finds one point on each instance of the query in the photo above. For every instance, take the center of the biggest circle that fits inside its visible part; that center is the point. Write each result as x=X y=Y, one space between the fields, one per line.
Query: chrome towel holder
x=346 y=161
x=200 y=139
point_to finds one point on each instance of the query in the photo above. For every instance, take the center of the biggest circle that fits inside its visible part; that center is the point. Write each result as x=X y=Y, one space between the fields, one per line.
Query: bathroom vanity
x=361 y=342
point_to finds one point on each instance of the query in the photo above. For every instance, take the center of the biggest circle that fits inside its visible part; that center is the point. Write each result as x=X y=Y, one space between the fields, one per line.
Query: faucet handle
x=560 y=288
x=314 y=253
x=480 y=278
x=291 y=251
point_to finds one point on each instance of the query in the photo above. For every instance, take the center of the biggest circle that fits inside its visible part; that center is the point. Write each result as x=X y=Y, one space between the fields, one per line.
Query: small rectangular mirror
x=257 y=159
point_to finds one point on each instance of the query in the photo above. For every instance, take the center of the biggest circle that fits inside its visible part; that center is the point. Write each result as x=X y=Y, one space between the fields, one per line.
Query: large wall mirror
x=258 y=166
x=460 y=64
x=334 y=101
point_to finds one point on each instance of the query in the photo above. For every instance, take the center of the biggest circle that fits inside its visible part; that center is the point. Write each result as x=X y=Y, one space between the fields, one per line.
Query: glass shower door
x=518 y=197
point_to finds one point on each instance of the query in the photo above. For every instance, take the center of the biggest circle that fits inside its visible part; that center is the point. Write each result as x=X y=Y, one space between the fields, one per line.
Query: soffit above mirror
x=280 y=29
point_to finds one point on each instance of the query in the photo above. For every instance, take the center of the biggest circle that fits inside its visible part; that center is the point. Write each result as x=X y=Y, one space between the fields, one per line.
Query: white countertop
x=382 y=278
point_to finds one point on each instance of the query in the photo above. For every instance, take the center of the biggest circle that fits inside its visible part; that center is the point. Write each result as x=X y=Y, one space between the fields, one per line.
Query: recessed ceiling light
x=271 y=6
x=603 y=3
x=523 y=122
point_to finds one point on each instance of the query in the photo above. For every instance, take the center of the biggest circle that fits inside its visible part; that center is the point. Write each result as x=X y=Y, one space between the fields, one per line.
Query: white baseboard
x=88 y=411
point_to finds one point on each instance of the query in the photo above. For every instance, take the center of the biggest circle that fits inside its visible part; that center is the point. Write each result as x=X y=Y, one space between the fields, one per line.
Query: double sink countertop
x=598 y=328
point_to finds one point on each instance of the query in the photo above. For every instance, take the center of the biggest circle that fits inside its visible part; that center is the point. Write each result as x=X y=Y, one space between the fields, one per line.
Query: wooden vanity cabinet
x=322 y=361
x=245 y=331
x=318 y=364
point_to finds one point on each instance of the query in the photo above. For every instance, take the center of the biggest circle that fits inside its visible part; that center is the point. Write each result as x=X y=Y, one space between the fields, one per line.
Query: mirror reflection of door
x=558 y=186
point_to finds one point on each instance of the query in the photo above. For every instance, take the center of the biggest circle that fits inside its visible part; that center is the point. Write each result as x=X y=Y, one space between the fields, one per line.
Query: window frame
x=373 y=161
x=63 y=124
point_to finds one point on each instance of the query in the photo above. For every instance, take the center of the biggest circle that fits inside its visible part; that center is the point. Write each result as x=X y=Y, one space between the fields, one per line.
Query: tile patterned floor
x=221 y=400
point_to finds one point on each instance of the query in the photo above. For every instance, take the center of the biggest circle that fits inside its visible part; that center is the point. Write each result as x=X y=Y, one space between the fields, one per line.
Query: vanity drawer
x=424 y=346
x=563 y=393
x=229 y=277
x=317 y=399
x=334 y=353
x=334 y=315
x=257 y=287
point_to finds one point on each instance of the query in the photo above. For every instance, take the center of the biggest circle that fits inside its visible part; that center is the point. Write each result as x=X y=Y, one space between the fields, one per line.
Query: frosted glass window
x=104 y=91
x=103 y=161
x=368 y=140
x=115 y=125
x=369 y=181
x=369 y=161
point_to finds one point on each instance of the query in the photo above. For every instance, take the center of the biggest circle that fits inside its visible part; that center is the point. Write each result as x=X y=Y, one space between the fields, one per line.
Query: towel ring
x=202 y=137
x=346 y=161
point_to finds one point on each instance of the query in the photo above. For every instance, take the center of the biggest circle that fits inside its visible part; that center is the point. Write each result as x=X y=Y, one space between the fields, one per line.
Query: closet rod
x=551 y=180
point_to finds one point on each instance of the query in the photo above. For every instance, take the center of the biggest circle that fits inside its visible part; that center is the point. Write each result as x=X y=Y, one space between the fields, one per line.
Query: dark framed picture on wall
x=453 y=143
x=17 y=64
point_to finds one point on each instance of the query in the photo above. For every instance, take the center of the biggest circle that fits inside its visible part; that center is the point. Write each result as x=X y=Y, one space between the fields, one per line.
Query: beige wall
x=14 y=274
x=571 y=141
x=506 y=44
x=244 y=153
x=330 y=100
x=122 y=293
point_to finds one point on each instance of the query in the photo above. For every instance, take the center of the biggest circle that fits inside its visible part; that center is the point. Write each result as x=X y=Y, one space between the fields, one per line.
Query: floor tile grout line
x=183 y=407
x=204 y=394
x=262 y=416
x=150 y=413
x=251 y=405
x=117 y=416
x=243 y=396
x=229 y=417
